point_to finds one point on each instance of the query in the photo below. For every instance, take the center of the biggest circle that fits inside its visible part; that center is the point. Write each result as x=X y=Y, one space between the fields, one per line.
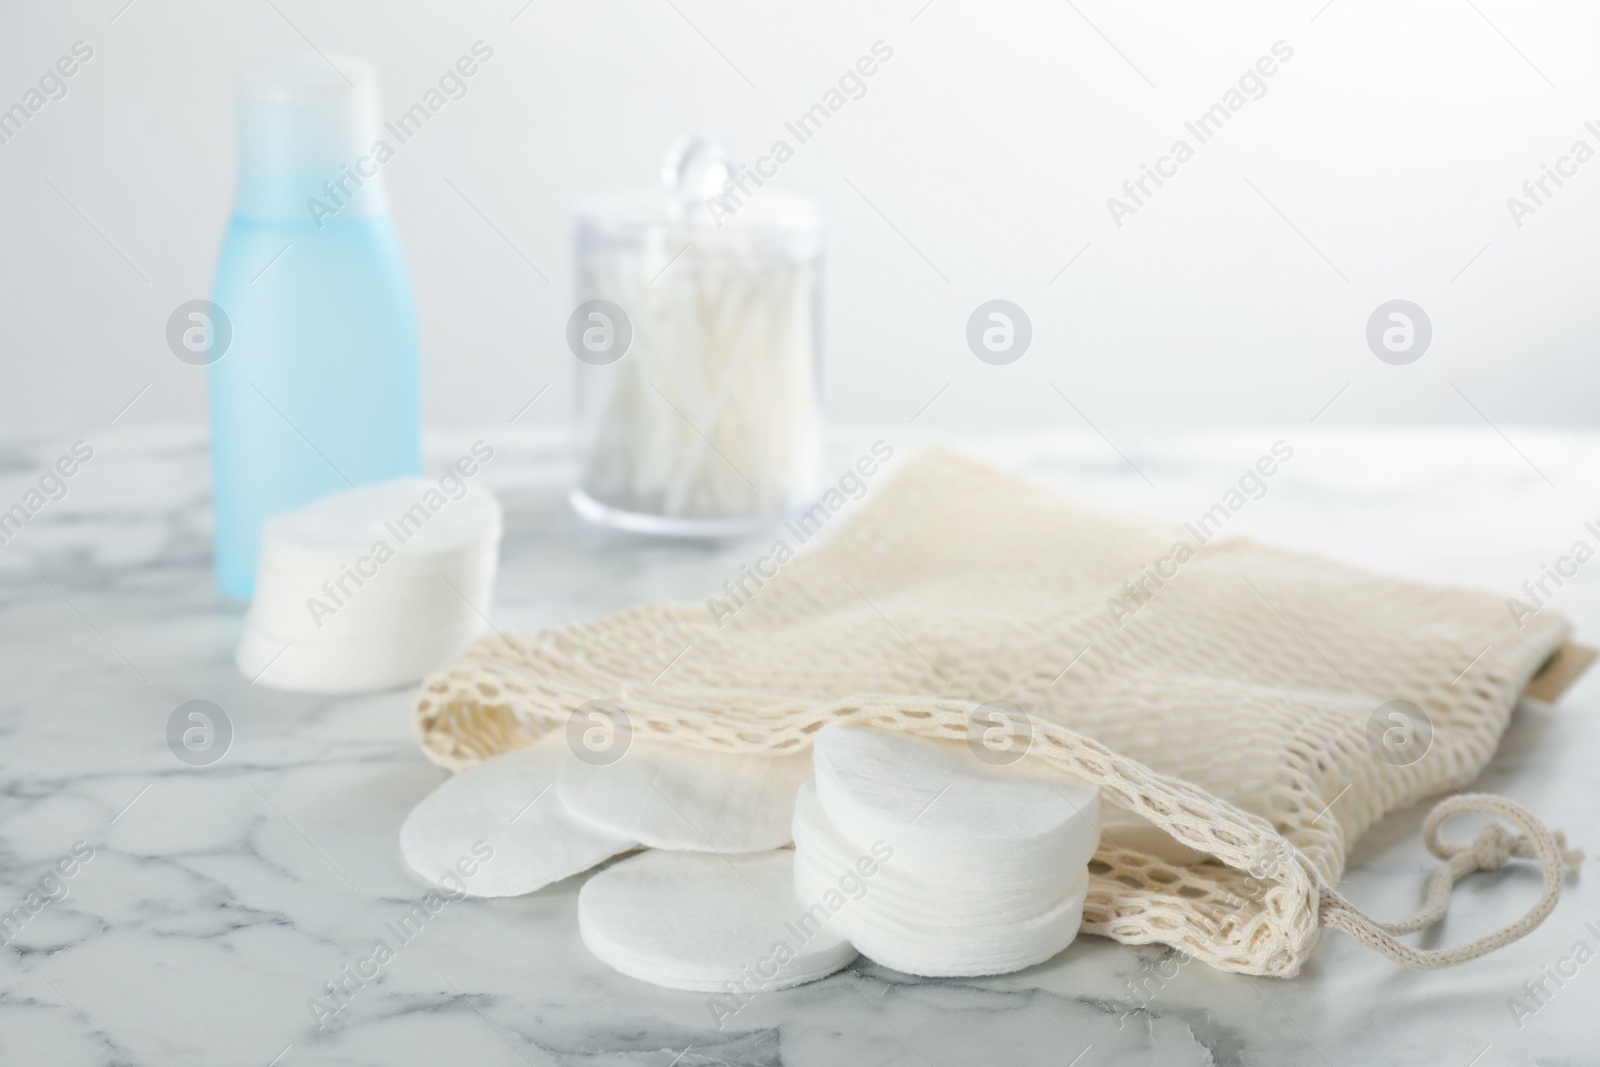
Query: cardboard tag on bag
x=1565 y=666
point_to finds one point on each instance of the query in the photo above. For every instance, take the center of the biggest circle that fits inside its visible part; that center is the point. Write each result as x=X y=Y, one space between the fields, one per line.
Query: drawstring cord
x=1489 y=850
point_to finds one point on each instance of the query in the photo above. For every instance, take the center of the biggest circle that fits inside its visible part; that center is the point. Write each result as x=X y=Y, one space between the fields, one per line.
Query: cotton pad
x=960 y=951
x=387 y=604
x=347 y=666
x=938 y=798
x=709 y=923
x=1127 y=831
x=675 y=797
x=421 y=524
x=924 y=926
x=371 y=588
x=899 y=885
x=984 y=869
x=508 y=804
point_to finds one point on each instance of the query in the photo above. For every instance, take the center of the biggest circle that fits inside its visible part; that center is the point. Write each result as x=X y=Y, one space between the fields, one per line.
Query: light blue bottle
x=317 y=391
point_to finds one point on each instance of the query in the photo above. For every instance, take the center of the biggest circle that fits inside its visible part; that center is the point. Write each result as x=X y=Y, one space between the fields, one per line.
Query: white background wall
x=1376 y=166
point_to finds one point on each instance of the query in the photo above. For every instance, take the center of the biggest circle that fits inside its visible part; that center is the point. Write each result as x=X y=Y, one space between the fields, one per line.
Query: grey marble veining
x=218 y=900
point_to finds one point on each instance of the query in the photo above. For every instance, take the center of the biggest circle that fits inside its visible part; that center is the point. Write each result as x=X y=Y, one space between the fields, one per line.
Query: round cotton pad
x=388 y=603
x=699 y=922
x=348 y=666
x=1125 y=830
x=509 y=807
x=958 y=951
x=924 y=893
x=417 y=521
x=371 y=588
x=922 y=925
x=938 y=797
x=675 y=797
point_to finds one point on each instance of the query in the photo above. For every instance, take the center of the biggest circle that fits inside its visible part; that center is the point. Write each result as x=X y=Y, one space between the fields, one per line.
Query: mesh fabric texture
x=1230 y=709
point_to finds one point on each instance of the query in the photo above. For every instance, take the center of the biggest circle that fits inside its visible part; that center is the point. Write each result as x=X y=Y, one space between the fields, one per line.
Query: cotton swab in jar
x=711 y=415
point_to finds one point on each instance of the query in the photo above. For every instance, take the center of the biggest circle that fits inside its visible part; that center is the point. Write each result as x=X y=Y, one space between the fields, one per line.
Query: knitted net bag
x=1227 y=700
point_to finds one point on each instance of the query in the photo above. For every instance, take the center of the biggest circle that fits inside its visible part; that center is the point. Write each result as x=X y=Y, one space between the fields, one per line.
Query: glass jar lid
x=708 y=200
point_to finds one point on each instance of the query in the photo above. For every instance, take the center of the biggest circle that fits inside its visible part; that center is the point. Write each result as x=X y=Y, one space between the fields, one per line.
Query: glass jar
x=697 y=332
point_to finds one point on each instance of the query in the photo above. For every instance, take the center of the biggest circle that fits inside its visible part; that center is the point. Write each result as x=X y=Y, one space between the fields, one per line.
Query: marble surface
x=216 y=901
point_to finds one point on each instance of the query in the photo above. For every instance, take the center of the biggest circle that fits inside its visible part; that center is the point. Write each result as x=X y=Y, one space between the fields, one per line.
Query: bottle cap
x=307 y=126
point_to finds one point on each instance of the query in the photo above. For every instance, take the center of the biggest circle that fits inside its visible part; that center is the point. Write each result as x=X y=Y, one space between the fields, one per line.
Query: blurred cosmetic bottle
x=317 y=388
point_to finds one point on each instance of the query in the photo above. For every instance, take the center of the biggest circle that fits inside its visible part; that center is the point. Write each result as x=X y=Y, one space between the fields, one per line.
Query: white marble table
x=219 y=899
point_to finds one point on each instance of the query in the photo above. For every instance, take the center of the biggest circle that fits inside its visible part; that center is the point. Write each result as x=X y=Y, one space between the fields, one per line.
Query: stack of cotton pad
x=371 y=588
x=699 y=921
x=986 y=866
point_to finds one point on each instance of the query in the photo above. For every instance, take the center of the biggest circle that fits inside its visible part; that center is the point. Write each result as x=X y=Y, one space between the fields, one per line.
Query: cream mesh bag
x=1231 y=710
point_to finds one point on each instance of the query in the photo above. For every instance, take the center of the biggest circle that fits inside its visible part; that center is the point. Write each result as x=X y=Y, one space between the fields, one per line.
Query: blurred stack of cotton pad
x=986 y=867
x=371 y=588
